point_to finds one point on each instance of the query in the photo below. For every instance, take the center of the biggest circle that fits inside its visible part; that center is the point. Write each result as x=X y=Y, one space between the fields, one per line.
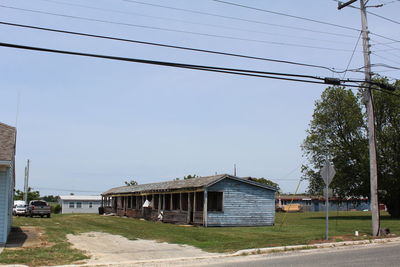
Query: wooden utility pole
x=371 y=118
x=26 y=183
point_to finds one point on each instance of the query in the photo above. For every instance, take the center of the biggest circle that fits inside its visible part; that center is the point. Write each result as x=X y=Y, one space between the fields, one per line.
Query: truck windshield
x=38 y=203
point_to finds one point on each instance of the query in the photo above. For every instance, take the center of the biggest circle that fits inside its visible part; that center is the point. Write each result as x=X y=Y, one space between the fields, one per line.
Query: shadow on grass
x=17 y=238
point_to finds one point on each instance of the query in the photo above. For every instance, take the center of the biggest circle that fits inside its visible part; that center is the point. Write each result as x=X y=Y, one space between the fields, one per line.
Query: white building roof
x=74 y=197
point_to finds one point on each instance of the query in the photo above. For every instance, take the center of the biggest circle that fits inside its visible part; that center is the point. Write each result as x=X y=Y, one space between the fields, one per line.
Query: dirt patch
x=26 y=237
x=105 y=248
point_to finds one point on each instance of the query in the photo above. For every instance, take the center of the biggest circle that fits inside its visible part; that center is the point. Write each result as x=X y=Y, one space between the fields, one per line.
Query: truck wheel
x=48 y=215
x=31 y=215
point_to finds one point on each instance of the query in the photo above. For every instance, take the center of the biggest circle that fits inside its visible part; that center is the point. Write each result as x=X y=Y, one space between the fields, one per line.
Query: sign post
x=327 y=173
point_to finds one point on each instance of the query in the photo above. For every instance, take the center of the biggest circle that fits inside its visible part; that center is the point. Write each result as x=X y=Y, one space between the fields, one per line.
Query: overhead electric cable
x=372 y=33
x=385 y=58
x=242 y=72
x=385 y=66
x=352 y=55
x=174 y=30
x=190 y=22
x=239 y=19
x=168 y=46
x=65 y=190
x=382 y=17
x=288 y=15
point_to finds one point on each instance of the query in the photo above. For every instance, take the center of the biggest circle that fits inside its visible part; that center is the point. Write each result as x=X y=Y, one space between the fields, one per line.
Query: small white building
x=80 y=204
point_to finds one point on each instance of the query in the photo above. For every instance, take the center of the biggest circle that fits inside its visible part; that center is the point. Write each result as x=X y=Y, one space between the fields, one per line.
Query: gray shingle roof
x=7 y=142
x=198 y=182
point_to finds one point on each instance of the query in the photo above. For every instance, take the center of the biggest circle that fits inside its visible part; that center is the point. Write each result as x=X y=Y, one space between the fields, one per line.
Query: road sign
x=328 y=172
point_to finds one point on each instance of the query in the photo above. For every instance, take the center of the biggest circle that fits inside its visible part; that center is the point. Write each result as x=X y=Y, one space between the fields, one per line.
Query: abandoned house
x=220 y=200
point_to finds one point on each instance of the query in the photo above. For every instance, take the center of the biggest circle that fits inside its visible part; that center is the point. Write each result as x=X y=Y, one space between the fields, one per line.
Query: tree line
x=338 y=130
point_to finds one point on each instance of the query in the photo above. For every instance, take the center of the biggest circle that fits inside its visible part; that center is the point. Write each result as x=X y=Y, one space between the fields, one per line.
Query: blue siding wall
x=4 y=209
x=243 y=205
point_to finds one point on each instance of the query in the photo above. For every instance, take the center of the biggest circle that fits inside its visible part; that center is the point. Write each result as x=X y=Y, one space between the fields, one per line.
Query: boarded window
x=184 y=201
x=167 y=201
x=215 y=201
x=176 y=202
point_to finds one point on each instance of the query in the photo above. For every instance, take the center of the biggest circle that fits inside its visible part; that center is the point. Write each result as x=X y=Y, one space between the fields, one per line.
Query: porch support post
x=163 y=202
x=194 y=206
x=170 y=202
x=205 y=207
x=159 y=203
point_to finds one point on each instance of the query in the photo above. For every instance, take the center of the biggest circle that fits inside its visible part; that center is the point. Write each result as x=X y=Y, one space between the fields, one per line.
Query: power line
x=168 y=46
x=238 y=19
x=190 y=22
x=288 y=15
x=385 y=66
x=173 y=30
x=241 y=72
x=352 y=55
x=388 y=59
x=66 y=190
x=382 y=17
x=372 y=33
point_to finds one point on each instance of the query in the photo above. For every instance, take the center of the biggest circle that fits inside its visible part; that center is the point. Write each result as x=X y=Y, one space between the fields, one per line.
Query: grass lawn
x=299 y=228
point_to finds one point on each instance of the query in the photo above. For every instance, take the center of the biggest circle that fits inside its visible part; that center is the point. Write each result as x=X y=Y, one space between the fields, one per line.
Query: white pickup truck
x=38 y=208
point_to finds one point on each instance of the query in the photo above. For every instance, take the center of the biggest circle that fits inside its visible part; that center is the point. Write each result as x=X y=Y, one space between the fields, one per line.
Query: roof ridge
x=9 y=126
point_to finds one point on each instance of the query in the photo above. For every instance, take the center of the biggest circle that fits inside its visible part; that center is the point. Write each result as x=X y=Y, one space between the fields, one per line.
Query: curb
x=314 y=246
x=245 y=252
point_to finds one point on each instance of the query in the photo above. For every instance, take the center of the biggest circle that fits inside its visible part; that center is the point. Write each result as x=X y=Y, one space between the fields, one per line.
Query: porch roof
x=194 y=183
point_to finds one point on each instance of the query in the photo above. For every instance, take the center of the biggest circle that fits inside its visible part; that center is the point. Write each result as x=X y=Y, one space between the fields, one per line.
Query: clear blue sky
x=90 y=124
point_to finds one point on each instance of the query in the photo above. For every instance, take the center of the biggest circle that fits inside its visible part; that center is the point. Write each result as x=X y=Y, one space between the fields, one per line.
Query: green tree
x=338 y=131
x=131 y=182
x=387 y=114
x=32 y=195
x=50 y=198
x=190 y=176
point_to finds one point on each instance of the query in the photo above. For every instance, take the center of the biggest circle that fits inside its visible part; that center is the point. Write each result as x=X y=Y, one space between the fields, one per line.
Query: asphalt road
x=382 y=255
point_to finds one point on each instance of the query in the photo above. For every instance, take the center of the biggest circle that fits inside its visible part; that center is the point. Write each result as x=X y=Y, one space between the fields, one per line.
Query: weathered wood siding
x=243 y=205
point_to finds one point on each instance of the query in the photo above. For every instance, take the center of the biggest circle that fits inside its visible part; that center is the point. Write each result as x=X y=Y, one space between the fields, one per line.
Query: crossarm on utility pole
x=342 y=5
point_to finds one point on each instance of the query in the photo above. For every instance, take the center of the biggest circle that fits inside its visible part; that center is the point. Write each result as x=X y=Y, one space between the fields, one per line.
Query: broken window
x=155 y=201
x=167 y=201
x=133 y=200
x=184 y=197
x=176 y=202
x=215 y=201
x=199 y=200
x=129 y=202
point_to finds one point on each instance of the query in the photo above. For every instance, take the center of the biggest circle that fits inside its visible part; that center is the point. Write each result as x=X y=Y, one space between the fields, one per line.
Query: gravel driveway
x=107 y=248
